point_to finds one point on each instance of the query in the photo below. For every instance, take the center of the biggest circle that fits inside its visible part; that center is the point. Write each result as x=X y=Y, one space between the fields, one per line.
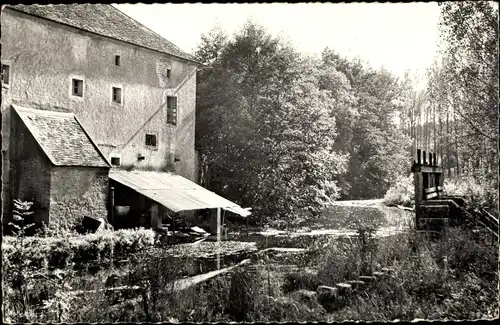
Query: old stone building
x=56 y=165
x=132 y=91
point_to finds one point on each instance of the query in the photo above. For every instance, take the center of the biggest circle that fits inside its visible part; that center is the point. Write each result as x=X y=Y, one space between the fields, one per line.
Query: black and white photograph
x=250 y=162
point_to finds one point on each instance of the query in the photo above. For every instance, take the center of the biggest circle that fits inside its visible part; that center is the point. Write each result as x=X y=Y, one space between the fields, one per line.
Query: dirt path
x=360 y=203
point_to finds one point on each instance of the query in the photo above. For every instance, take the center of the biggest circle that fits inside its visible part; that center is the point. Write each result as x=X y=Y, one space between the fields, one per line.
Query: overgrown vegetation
x=286 y=133
x=431 y=279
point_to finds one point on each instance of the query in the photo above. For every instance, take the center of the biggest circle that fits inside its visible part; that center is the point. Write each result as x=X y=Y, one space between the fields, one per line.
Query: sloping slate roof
x=61 y=137
x=174 y=191
x=105 y=20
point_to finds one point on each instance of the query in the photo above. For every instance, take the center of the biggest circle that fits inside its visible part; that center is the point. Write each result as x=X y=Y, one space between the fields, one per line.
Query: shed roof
x=174 y=191
x=105 y=20
x=62 y=138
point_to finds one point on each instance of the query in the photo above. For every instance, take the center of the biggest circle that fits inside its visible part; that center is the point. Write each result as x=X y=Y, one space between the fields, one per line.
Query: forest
x=286 y=133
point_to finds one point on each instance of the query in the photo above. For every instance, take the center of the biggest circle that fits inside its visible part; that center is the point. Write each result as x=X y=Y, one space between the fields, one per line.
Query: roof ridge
x=43 y=111
x=150 y=40
x=149 y=29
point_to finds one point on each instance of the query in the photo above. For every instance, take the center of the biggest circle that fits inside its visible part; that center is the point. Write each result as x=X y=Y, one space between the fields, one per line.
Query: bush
x=60 y=252
x=478 y=192
x=300 y=280
x=402 y=192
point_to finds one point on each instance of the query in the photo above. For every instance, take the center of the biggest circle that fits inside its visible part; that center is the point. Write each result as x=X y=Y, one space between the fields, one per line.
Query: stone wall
x=30 y=172
x=77 y=192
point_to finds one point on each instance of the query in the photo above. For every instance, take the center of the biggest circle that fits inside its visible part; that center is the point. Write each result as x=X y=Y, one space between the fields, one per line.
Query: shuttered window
x=5 y=74
x=172 y=110
x=151 y=140
x=77 y=87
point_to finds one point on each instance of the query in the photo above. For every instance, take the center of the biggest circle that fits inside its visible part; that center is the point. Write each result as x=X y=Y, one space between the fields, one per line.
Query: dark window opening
x=117 y=95
x=77 y=87
x=151 y=140
x=115 y=161
x=168 y=73
x=172 y=110
x=5 y=74
x=117 y=60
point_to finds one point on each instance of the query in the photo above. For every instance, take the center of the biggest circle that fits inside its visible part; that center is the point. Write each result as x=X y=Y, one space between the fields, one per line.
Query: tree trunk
x=448 y=162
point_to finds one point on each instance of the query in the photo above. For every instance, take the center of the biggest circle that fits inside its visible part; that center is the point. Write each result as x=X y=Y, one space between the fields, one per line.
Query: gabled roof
x=105 y=20
x=62 y=138
x=174 y=191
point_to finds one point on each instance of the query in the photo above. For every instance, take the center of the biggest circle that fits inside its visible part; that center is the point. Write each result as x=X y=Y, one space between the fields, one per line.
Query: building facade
x=132 y=91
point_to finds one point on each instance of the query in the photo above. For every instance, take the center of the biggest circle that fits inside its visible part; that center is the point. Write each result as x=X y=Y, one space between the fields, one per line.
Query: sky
x=397 y=36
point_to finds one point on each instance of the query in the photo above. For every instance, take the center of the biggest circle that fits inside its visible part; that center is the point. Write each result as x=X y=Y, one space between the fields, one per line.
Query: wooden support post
x=247 y=227
x=155 y=221
x=425 y=159
x=430 y=159
x=112 y=204
x=434 y=159
x=419 y=161
x=418 y=178
x=218 y=237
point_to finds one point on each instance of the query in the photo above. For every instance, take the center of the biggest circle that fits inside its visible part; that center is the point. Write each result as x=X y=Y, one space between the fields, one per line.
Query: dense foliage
x=287 y=133
x=81 y=249
x=456 y=116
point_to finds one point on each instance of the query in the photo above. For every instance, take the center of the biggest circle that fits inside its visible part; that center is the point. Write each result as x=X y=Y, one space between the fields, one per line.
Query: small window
x=168 y=73
x=151 y=140
x=77 y=87
x=5 y=74
x=117 y=95
x=115 y=161
x=117 y=60
x=172 y=110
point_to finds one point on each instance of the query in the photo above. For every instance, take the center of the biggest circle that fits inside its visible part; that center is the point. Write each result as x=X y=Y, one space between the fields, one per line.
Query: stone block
x=433 y=224
x=357 y=284
x=326 y=292
x=387 y=270
x=344 y=289
x=368 y=278
x=434 y=211
x=328 y=297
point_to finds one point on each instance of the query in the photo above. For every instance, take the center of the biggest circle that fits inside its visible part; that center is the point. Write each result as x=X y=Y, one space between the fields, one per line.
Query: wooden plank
x=428 y=169
x=430 y=190
x=433 y=224
x=431 y=195
x=434 y=211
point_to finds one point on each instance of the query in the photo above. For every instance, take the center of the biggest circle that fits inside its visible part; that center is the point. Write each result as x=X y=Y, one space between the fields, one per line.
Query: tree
x=470 y=37
x=266 y=130
x=376 y=146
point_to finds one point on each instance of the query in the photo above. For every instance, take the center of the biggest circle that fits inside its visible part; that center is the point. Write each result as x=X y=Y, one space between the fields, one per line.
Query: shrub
x=401 y=192
x=82 y=249
x=341 y=261
x=300 y=280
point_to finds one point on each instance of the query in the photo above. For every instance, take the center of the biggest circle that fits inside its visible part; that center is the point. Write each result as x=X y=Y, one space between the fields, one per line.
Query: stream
x=281 y=249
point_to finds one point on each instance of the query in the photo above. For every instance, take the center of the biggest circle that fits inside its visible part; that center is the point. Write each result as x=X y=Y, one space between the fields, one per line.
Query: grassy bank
x=454 y=277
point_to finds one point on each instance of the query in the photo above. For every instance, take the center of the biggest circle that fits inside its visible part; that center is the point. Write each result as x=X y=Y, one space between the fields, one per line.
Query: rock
x=344 y=289
x=379 y=275
x=368 y=278
x=357 y=284
x=326 y=292
x=307 y=297
x=328 y=297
